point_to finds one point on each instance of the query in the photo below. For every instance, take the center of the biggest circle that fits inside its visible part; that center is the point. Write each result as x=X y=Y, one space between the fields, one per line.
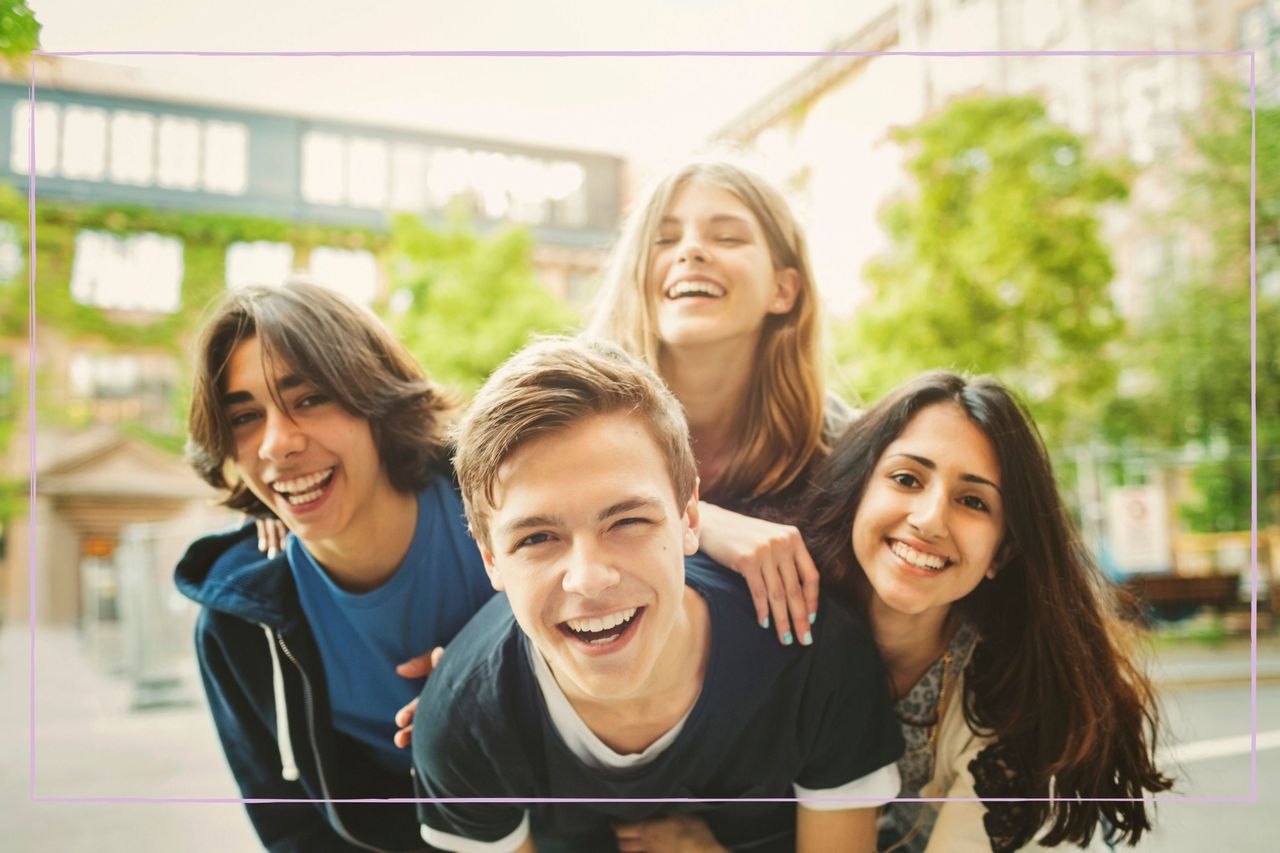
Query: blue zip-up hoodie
x=266 y=688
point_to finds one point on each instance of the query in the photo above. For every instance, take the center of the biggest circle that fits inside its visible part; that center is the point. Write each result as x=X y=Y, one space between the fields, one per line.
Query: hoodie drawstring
x=288 y=768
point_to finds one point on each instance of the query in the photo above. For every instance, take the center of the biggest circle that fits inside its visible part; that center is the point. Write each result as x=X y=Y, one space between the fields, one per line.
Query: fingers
x=422 y=665
x=810 y=582
x=759 y=595
x=403 y=737
x=405 y=715
x=776 y=593
x=271 y=534
x=797 y=609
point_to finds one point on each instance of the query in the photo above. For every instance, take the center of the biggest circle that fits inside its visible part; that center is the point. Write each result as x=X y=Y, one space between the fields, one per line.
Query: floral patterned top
x=908 y=825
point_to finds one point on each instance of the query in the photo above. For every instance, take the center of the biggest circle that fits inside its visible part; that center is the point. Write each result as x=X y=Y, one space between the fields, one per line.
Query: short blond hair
x=549 y=386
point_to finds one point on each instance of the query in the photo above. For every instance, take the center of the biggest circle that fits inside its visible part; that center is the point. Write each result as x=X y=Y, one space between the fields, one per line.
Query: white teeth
x=917 y=558
x=694 y=288
x=601 y=623
x=304 y=498
x=301 y=484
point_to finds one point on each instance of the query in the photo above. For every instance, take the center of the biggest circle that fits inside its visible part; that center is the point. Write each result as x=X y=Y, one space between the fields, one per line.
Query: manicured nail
x=786 y=639
x=813 y=617
x=807 y=639
x=271 y=555
x=764 y=623
x=262 y=546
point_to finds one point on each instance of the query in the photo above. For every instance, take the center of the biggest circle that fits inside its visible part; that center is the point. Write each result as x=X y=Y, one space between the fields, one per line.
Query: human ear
x=1002 y=556
x=691 y=522
x=491 y=568
x=786 y=288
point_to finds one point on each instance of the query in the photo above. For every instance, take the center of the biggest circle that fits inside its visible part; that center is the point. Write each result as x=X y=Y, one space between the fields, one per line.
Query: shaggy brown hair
x=1053 y=679
x=342 y=349
x=549 y=386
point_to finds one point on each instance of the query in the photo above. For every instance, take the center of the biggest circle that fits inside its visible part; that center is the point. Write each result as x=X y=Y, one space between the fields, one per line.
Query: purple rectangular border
x=1253 y=400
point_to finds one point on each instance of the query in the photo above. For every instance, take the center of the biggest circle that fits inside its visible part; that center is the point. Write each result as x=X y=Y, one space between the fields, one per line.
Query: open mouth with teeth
x=301 y=491
x=918 y=559
x=696 y=289
x=602 y=630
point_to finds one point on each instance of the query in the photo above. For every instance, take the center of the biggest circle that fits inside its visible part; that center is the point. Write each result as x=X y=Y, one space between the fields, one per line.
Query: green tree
x=471 y=300
x=1193 y=353
x=19 y=30
x=996 y=264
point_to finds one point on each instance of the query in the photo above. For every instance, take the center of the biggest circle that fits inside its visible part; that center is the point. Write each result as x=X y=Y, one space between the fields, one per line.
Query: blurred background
x=1077 y=225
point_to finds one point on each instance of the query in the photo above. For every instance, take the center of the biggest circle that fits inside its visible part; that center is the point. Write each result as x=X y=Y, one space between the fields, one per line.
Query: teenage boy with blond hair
x=620 y=664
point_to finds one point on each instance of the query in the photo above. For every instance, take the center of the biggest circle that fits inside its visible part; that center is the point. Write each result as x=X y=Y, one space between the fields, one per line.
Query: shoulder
x=469 y=701
x=225 y=571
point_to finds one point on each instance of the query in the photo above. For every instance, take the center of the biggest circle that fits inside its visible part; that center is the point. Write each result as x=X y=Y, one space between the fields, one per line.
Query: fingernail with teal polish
x=807 y=639
x=786 y=639
x=764 y=623
x=813 y=617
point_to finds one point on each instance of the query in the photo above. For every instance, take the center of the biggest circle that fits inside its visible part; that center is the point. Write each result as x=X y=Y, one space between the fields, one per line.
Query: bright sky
x=644 y=108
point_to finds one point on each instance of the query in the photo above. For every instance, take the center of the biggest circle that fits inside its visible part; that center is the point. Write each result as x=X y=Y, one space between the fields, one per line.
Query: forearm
x=843 y=831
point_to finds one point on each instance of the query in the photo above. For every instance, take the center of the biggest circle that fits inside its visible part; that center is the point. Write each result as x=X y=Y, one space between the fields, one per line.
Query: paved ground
x=90 y=744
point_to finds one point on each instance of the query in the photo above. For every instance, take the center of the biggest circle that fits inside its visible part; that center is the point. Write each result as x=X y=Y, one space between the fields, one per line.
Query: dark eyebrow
x=288 y=383
x=968 y=478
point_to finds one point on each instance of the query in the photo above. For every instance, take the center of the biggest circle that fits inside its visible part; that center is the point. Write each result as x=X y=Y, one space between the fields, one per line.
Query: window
x=84 y=143
x=178 y=153
x=258 y=263
x=226 y=157
x=133 y=137
x=409 y=177
x=142 y=272
x=367 y=172
x=322 y=167
x=115 y=387
x=351 y=272
x=46 y=138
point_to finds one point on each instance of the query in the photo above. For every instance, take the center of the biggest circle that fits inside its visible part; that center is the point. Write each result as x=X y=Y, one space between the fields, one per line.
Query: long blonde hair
x=781 y=427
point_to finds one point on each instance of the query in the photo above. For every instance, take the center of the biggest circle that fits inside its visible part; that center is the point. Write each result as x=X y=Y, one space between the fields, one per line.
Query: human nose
x=282 y=437
x=928 y=515
x=589 y=573
x=691 y=247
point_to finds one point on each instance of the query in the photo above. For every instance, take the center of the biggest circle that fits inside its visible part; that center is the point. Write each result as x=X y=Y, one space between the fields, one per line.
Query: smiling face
x=931 y=521
x=587 y=540
x=313 y=463
x=711 y=272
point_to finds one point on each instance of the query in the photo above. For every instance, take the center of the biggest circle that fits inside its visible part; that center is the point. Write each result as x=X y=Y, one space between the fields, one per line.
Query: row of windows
x=143 y=272
x=135 y=148
x=366 y=172
x=131 y=148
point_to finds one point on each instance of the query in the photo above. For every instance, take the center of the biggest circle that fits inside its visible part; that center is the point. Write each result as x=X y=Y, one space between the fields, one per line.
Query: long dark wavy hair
x=1053 y=679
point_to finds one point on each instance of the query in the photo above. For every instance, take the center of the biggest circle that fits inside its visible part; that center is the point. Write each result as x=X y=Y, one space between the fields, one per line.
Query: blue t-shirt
x=439 y=585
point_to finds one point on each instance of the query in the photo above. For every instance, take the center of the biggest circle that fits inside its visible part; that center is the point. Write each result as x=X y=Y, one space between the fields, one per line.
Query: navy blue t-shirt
x=441 y=582
x=769 y=716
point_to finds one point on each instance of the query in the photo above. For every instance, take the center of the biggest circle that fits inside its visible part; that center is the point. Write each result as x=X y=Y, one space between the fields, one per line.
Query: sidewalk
x=89 y=744
x=1178 y=664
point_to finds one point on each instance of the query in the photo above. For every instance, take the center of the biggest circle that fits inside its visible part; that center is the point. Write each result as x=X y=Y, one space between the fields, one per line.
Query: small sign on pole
x=1138 y=529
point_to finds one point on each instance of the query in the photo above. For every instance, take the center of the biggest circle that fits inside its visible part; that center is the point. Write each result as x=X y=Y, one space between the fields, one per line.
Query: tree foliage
x=1194 y=353
x=996 y=264
x=19 y=30
x=472 y=300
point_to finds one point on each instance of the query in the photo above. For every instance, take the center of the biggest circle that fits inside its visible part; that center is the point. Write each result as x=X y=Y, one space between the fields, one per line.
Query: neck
x=711 y=382
x=373 y=545
x=631 y=724
x=909 y=643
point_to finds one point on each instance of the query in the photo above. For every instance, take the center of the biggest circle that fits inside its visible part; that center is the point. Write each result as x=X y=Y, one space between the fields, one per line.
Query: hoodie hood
x=226 y=572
